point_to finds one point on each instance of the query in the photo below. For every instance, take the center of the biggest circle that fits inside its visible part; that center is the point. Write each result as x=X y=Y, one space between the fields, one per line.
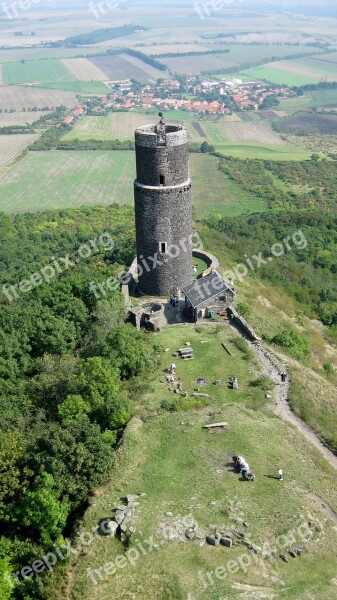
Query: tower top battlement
x=152 y=136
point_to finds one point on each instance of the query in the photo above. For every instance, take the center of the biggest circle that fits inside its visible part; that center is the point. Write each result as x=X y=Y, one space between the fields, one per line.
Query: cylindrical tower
x=163 y=207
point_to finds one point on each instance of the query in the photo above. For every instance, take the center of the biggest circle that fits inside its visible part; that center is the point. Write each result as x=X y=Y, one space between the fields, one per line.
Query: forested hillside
x=69 y=368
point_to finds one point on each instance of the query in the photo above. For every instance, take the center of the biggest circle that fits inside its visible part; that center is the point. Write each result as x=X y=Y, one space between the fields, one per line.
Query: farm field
x=241 y=132
x=80 y=87
x=193 y=65
x=262 y=151
x=246 y=53
x=29 y=54
x=83 y=69
x=27 y=97
x=72 y=179
x=111 y=126
x=35 y=71
x=185 y=472
x=20 y=118
x=247 y=139
x=12 y=145
x=330 y=57
x=67 y=179
x=153 y=50
x=214 y=193
x=125 y=67
x=323 y=98
x=295 y=72
x=309 y=124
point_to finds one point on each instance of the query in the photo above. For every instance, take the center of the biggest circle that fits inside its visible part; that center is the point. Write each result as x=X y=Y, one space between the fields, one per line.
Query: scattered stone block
x=119 y=516
x=225 y=541
x=112 y=528
x=284 y=558
x=212 y=541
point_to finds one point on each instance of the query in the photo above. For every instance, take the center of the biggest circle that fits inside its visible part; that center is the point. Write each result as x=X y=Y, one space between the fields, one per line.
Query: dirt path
x=273 y=366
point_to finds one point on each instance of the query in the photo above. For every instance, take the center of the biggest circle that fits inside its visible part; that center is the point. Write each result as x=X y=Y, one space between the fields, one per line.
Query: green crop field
x=72 y=179
x=323 y=97
x=245 y=53
x=82 y=87
x=184 y=471
x=280 y=77
x=296 y=72
x=263 y=151
x=111 y=126
x=214 y=193
x=35 y=71
x=46 y=180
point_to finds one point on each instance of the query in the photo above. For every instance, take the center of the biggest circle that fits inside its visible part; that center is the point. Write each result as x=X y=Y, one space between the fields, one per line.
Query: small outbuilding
x=207 y=296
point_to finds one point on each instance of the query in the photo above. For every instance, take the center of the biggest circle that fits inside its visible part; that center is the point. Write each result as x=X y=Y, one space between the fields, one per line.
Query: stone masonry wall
x=163 y=208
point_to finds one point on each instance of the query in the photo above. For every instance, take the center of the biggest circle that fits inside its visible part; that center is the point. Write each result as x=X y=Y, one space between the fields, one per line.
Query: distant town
x=223 y=97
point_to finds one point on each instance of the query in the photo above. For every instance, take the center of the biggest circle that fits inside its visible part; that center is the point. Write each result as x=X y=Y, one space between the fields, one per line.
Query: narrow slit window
x=163 y=247
x=162 y=179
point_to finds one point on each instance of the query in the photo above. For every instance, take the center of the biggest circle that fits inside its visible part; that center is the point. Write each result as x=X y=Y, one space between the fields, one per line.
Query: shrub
x=292 y=342
x=244 y=310
x=242 y=345
x=264 y=382
x=328 y=369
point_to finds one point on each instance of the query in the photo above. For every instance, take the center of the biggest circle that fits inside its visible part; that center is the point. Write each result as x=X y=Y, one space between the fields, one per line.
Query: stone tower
x=163 y=208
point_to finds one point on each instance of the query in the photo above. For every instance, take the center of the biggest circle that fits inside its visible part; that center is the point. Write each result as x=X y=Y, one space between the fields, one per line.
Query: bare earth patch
x=252 y=132
x=21 y=118
x=288 y=68
x=83 y=69
x=12 y=145
x=19 y=97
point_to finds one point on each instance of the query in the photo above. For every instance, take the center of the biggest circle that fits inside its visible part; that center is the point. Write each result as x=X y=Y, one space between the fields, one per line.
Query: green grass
x=274 y=75
x=76 y=178
x=35 y=71
x=308 y=71
x=183 y=469
x=214 y=193
x=46 y=180
x=263 y=151
x=29 y=54
x=85 y=87
x=323 y=97
x=312 y=99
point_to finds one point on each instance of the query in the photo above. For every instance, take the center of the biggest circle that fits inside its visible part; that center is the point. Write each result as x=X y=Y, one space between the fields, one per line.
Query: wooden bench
x=184 y=351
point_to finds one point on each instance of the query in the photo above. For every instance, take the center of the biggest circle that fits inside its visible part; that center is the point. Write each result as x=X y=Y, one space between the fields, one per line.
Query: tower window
x=162 y=179
x=163 y=247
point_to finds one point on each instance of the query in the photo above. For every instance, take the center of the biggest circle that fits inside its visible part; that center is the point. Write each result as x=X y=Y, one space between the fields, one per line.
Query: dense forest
x=307 y=274
x=100 y=35
x=69 y=369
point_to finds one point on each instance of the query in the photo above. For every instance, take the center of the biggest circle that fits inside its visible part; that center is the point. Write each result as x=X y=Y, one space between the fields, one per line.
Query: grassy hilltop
x=185 y=470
